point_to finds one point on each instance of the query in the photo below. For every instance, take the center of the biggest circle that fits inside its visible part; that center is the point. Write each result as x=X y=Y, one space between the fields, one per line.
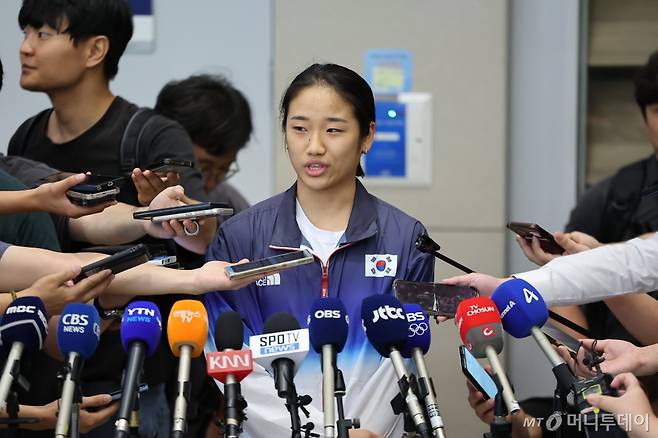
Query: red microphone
x=481 y=331
x=236 y=363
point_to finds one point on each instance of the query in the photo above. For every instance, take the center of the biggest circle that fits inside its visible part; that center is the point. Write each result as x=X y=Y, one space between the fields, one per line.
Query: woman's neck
x=327 y=210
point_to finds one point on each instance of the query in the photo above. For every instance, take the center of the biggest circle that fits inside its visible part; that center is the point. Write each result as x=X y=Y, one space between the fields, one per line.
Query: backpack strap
x=129 y=151
x=623 y=199
x=19 y=141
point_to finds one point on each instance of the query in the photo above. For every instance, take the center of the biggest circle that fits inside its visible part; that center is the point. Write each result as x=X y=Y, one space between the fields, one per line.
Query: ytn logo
x=387 y=312
x=75 y=319
x=141 y=311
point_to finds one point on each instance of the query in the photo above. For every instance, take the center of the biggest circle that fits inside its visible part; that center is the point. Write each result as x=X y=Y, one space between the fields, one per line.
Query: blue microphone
x=141 y=327
x=24 y=326
x=521 y=307
x=78 y=333
x=386 y=327
x=523 y=311
x=419 y=339
x=327 y=329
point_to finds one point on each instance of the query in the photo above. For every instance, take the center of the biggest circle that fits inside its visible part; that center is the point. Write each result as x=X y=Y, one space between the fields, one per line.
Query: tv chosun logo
x=417 y=329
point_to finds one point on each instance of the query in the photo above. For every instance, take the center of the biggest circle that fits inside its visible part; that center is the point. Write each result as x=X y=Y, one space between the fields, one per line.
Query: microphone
x=24 y=326
x=480 y=330
x=187 y=330
x=141 y=327
x=327 y=328
x=78 y=334
x=523 y=311
x=230 y=364
x=386 y=327
x=281 y=348
x=419 y=339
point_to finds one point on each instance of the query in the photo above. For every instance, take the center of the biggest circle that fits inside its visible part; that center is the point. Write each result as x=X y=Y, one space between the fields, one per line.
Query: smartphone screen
x=476 y=374
x=435 y=298
x=268 y=264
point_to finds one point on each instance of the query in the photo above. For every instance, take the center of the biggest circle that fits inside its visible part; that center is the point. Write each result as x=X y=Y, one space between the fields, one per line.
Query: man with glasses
x=218 y=119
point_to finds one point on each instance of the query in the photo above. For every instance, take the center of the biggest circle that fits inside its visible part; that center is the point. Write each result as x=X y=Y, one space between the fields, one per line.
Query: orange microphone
x=187 y=330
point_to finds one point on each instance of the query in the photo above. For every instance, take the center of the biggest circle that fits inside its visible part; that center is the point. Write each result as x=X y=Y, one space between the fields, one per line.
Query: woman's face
x=323 y=141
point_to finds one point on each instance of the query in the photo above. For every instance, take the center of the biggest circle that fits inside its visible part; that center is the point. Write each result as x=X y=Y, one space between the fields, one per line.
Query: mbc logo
x=21 y=309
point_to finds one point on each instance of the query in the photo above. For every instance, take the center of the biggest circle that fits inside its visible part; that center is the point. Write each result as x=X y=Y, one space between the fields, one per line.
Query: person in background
x=217 y=117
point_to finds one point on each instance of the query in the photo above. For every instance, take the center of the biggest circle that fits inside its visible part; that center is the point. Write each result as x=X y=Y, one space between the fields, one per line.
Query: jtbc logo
x=415 y=316
x=387 y=312
x=75 y=319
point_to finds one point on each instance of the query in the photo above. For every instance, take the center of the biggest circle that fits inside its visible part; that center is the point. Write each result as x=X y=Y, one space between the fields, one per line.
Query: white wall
x=543 y=145
x=231 y=38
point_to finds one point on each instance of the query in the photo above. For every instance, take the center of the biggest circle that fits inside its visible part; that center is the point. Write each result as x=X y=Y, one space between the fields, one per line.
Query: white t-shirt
x=323 y=242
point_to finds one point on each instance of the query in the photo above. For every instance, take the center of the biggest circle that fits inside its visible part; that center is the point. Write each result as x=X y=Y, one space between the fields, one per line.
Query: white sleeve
x=598 y=274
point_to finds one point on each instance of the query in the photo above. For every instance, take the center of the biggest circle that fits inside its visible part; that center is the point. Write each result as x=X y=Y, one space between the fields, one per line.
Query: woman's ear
x=366 y=144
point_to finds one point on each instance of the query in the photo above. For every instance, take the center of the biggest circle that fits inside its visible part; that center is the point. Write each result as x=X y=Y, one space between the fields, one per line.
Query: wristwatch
x=108 y=313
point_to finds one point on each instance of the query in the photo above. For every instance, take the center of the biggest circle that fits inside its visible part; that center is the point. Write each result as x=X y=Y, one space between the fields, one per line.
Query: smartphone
x=269 y=264
x=435 y=298
x=194 y=211
x=477 y=375
x=96 y=189
x=119 y=262
x=116 y=395
x=165 y=260
x=170 y=165
x=557 y=337
x=528 y=231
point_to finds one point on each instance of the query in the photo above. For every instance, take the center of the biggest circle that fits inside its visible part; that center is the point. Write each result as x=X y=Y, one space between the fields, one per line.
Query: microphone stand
x=343 y=424
x=399 y=406
x=12 y=406
x=234 y=406
x=133 y=431
x=500 y=427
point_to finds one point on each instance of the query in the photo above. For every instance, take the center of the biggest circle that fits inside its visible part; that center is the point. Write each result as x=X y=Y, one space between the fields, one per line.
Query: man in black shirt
x=71 y=51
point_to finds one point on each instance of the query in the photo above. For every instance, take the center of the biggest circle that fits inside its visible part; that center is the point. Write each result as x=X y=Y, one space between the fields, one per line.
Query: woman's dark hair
x=215 y=114
x=347 y=83
x=646 y=84
x=86 y=18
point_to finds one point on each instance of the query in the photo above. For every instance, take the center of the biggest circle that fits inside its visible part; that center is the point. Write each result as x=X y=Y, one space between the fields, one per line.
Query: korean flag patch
x=381 y=265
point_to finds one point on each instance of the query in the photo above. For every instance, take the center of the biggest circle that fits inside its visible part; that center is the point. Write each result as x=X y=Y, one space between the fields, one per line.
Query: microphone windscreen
x=187 y=325
x=521 y=307
x=25 y=321
x=79 y=330
x=280 y=322
x=328 y=324
x=141 y=322
x=229 y=331
x=479 y=325
x=419 y=335
x=384 y=322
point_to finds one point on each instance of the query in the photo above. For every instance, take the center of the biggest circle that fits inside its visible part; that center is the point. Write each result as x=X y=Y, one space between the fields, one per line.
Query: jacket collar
x=362 y=223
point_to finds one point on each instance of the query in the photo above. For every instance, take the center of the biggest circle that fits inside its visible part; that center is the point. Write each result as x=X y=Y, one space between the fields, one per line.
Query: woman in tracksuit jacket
x=328 y=118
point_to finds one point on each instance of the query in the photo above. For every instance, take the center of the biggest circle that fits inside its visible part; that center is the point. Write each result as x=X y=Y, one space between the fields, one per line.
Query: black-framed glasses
x=219 y=173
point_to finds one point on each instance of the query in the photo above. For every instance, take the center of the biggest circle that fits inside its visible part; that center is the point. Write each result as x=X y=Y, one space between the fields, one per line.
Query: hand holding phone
x=476 y=374
x=96 y=189
x=529 y=230
x=269 y=265
x=170 y=165
x=119 y=262
x=436 y=299
x=194 y=211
